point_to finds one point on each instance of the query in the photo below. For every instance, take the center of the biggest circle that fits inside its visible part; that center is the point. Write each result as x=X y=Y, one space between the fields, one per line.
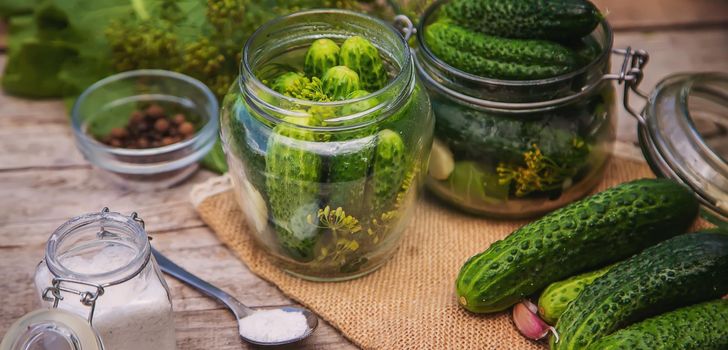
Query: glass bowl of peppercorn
x=146 y=129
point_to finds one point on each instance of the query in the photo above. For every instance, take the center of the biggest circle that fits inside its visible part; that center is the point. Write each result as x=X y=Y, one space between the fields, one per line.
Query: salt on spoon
x=273 y=326
x=277 y=326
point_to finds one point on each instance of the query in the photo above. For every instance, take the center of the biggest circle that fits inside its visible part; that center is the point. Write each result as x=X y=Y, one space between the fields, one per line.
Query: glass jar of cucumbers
x=327 y=136
x=525 y=109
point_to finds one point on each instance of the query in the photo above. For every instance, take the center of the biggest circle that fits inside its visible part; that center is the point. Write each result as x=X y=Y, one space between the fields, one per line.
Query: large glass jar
x=518 y=148
x=330 y=201
x=99 y=266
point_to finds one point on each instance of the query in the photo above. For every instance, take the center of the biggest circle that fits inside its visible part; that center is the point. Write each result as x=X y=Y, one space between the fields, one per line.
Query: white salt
x=133 y=315
x=272 y=326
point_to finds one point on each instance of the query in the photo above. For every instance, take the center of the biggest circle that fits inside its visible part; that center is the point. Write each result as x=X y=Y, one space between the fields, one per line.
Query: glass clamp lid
x=683 y=134
x=51 y=329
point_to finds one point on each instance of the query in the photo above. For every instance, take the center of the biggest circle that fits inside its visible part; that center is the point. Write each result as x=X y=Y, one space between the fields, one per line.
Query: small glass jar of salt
x=100 y=267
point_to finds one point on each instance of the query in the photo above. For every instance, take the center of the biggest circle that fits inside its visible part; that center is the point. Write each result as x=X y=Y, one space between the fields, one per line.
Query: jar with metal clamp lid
x=683 y=133
x=511 y=148
x=99 y=266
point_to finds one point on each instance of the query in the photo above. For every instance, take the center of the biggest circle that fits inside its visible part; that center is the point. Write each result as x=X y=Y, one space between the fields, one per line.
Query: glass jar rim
x=432 y=9
x=209 y=130
x=664 y=157
x=115 y=276
x=247 y=73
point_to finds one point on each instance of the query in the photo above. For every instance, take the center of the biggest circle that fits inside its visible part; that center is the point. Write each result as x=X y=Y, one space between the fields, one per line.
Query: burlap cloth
x=410 y=302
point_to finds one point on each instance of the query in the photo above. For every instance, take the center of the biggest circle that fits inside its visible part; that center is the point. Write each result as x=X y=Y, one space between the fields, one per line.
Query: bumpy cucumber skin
x=361 y=56
x=480 y=135
x=496 y=57
x=601 y=229
x=350 y=168
x=293 y=187
x=698 y=327
x=558 y=295
x=340 y=81
x=349 y=172
x=389 y=170
x=684 y=270
x=543 y=19
x=321 y=55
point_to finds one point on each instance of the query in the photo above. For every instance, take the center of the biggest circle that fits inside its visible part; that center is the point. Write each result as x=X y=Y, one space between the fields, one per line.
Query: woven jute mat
x=410 y=302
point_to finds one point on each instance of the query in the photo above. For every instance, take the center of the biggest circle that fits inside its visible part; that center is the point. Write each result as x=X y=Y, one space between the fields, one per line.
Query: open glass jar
x=327 y=201
x=683 y=135
x=111 y=102
x=520 y=148
x=99 y=266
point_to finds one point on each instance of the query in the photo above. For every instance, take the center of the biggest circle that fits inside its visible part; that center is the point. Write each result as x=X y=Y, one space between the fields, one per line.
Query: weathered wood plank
x=201 y=323
x=664 y=14
x=44 y=145
x=35 y=202
x=35 y=199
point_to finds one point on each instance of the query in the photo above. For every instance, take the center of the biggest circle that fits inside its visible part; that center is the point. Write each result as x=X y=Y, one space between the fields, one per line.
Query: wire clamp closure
x=404 y=25
x=631 y=74
x=88 y=298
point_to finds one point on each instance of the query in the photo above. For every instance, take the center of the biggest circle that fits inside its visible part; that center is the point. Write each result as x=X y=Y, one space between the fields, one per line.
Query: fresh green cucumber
x=557 y=296
x=293 y=177
x=684 y=270
x=598 y=230
x=321 y=55
x=698 y=327
x=348 y=173
x=480 y=135
x=361 y=56
x=339 y=82
x=390 y=165
x=495 y=57
x=529 y=19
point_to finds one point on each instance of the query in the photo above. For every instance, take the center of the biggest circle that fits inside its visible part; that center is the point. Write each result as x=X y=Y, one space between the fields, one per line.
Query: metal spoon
x=239 y=310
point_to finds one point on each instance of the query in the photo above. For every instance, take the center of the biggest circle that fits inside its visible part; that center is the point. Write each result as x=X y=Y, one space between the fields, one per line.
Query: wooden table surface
x=44 y=180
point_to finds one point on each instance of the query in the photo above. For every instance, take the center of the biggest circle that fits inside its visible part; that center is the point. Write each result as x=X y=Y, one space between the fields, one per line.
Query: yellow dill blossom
x=539 y=173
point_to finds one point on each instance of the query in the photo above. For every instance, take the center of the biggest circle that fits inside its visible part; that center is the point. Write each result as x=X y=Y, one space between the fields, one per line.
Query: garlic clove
x=525 y=317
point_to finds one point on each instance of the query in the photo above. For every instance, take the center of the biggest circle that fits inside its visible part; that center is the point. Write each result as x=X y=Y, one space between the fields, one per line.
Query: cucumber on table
x=495 y=57
x=684 y=270
x=598 y=230
x=698 y=327
x=558 y=295
x=544 y=19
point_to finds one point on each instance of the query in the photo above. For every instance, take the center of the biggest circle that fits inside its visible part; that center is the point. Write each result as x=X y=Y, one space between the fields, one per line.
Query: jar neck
x=104 y=248
x=510 y=94
x=297 y=32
